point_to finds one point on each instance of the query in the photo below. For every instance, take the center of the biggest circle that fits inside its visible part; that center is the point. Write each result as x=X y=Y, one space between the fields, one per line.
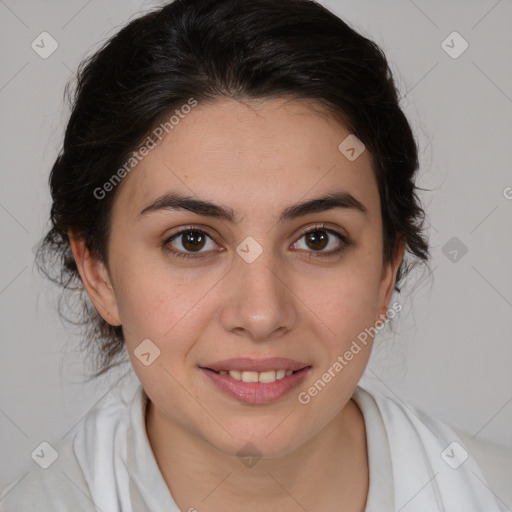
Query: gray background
x=451 y=351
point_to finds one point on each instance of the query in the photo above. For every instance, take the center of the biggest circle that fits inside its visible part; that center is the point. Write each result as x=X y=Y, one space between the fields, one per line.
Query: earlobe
x=96 y=281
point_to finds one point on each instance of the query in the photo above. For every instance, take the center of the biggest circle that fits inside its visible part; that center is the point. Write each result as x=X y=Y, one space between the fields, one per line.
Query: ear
x=96 y=281
x=387 y=284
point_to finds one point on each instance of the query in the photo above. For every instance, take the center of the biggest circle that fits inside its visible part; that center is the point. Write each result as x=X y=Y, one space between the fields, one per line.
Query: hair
x=209 y=50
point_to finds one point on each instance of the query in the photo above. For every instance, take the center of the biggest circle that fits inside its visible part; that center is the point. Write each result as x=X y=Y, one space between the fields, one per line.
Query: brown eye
x=189 y=242
x=317 y=240
x=193 y=240
x=320 y=238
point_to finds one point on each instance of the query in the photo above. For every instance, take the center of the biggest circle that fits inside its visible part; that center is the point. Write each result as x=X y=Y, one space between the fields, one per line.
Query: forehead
x=251 y=156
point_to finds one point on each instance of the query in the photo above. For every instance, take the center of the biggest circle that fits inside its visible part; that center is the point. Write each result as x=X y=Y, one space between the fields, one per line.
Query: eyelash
x=312 y=254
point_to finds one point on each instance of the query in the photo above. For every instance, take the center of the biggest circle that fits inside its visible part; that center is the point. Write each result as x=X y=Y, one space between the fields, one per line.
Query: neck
x=329 y=472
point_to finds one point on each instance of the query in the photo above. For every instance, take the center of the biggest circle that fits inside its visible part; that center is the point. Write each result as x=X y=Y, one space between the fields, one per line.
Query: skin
x=256 y=157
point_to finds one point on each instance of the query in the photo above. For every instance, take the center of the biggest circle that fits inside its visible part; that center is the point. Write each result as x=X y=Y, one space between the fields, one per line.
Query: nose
x=258 y=302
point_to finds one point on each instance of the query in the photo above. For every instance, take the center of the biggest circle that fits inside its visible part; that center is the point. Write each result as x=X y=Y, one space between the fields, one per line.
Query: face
x=246 y=279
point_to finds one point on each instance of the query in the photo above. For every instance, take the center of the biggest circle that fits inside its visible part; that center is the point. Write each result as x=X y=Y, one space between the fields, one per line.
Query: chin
x=266 y=441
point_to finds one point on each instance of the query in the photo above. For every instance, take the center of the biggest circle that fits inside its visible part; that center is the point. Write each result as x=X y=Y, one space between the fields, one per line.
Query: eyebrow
x=175 y=201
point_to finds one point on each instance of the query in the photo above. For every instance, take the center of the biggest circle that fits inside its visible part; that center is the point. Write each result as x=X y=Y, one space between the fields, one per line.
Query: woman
x=236 y=197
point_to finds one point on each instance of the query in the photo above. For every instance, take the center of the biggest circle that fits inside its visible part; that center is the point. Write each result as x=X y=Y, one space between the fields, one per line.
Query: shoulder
x=60 y=487
x=89 y=450
x=495 y=461
x=479 y=470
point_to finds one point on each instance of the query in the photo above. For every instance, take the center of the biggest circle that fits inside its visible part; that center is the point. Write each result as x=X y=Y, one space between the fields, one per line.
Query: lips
x=256 y=381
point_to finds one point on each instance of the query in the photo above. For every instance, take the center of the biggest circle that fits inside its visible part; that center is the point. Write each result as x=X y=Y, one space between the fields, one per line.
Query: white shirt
x=106 y=463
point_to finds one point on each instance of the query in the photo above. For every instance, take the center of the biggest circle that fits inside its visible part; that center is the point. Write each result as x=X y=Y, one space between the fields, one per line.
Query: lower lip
x=256 y=392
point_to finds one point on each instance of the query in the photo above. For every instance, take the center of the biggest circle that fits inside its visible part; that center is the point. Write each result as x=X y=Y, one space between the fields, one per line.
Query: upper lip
x=256 y=365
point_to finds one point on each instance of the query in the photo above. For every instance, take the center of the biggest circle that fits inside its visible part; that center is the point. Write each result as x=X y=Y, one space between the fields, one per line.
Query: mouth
x=256 y=382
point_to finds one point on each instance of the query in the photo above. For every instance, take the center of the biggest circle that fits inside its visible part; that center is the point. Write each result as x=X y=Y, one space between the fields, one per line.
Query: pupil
x=193 y=240
x=317 y=240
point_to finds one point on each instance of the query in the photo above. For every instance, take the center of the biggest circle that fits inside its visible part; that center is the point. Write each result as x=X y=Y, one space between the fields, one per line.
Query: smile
x=256 y=387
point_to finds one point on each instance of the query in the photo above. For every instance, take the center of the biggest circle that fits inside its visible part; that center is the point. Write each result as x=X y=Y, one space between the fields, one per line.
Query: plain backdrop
x=450 y=349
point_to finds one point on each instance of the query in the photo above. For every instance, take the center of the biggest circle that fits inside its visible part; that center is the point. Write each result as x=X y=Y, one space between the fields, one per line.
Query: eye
x=319 y=238
x=186 y=242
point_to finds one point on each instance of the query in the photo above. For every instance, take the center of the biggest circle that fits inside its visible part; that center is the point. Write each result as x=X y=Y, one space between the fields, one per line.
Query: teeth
x=249 y=376
x=269 y=376
x=264 y=377
x=235 y=374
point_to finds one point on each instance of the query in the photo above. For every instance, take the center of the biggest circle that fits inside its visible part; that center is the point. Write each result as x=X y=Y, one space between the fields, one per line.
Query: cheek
x=345 y=313
x=150 y=309
x=348 y=300
x=353 y=309
x=155 y=303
